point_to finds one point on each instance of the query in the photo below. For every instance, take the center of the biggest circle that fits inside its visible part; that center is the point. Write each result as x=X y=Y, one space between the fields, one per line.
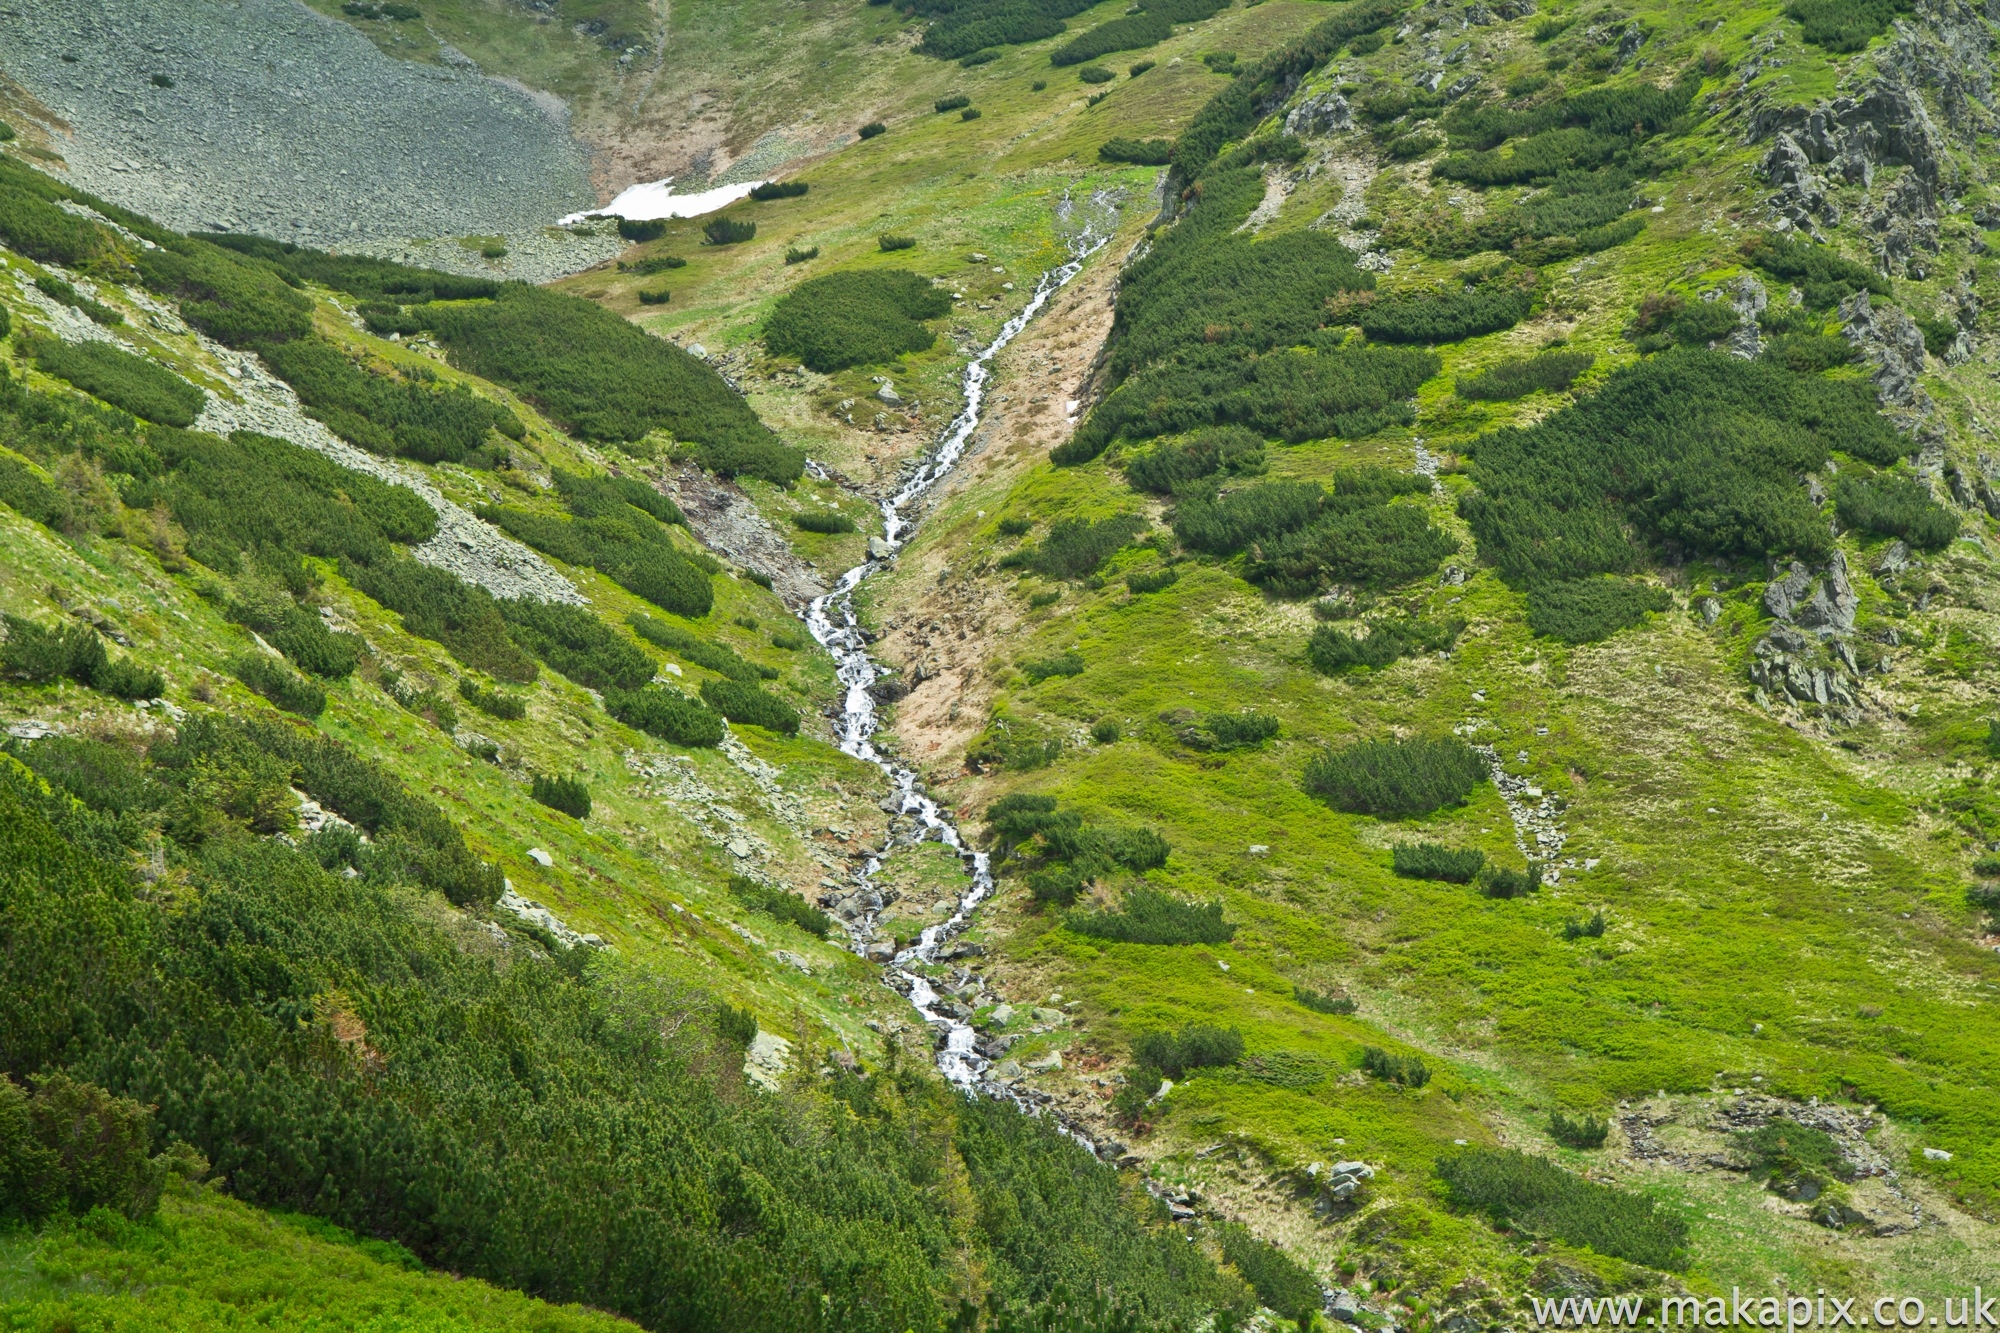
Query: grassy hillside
x=1470 y=623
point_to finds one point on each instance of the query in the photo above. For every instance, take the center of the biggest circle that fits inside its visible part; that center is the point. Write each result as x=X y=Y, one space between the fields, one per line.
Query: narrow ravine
x=831 y=619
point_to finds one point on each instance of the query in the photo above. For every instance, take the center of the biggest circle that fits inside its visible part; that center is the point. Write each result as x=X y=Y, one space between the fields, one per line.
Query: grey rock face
x=1826 y=604
x=1324 y=114
x=1891 y=343
x=1746 y=294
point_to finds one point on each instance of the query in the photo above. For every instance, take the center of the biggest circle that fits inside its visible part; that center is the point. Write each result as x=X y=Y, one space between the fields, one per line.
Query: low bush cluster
x=568 y=795
x=873 y=129
x=890 y=243
x=1519 y=376
x=1893 y=506
x=388 y=414
x=1229 y=450
x=666 y=713
x=727 y=231
x=1147 y=916
x=1534 y=1195
x=747 y=704
x=1579 y=212
x=1138 y=152
x=1501 y=882
x=1076 y=547
x=1128 y=33
x=1592 y=929
x=779 y=190
x=1060 y=852
x=1195 y=1046
x=1322 y=1003
x=1692 y=447
x=575 y=642
x=639 y=231
x=958 y=28
x=134 y=384
x=69 y=1147
x=1396 y=779
x=780 y=904
x=436 y=605
x=1332 y=650
x=1247 y=730
x=1441 y=317
x=952 y=103
x=1431 y=860
x=1823 y=276
x=494 y=703
x=826 y=522
x=1152 y=580
x=282 y=686
x=1578 y=132
x=1039 y=669
x=1301 y=536
x=1584 y=1131
x=1841 y=26
x=1407 y=1070
x=856 y=317
x=57 y=290
x=1588 y=610
x=42 y=656
x=1280 y=1281
x=606 y=379
x=632 y=548
x=717 y=657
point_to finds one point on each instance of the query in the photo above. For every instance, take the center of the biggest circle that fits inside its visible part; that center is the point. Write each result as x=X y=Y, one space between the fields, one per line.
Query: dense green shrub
x=359 y=275
x=978 y=58
x=1095 y=74
x=1664 y=319
x=568 y=795
x=29 y=495
x=233 y=299
x=1695 y=447
x=781 y=904
x=1396 y=779
x=1819 y=271
x=606 y=379
x=1305 y=536
x=1893 y=506
x=477 y=1143
x=1121 y=34
x=796 y=255
x=872 y=129
x=1578 y=132
x=822 y=521
x=1535 y=1195
x=652 y=264
x=1075 y=547
x=660 y=297
x=35 y=227
x=40 y=656
x=1195 y=1046
x=1139 y=152
x=779 y=190
x=312 y=647
x=1039 y=669
x=1785 y=1150
x=1147 y=916
x=727 y=231
x=666 y=713
x=1152 y=580
x=1592 y=929
x=422 y=698
x=57 y=290
x=952 y=103
x=641 y=230
x=280 y=684
x=575 y=642
x=1583 y=1131
x=856 y=317
x=1519 y=376
x=1844 y=25
x=139 y=386
x=1578 y=213
x=382 y=413
x=1222 y=449
x=890 y=243
x=1246 y=730
x=71 y=1147
x=1407 y=1070
x=740 y=702
x=960 y=27
x=1500 y=882
x=1431 y=860
x=970 y=113
x=1444 y=317
x=702 y=652
x=1321 y=1003
x=439 y=606
x=1332 y=651
x=632 y=548
x=1236 y=110
x=1105 y=732
x=493 y=703
x=1587 y=610
x=1065 y=853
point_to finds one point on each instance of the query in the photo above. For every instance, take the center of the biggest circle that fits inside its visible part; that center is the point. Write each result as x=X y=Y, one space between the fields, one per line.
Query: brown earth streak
x=939 y=625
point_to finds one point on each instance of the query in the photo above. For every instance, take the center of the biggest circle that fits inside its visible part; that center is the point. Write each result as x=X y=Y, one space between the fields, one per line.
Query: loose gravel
x=286 y=123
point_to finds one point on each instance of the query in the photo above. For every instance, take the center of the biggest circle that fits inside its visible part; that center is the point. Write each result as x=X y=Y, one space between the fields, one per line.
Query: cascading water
x=831 y=620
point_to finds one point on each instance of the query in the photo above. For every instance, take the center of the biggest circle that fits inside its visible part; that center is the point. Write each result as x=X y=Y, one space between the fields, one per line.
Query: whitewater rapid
x=831 y=620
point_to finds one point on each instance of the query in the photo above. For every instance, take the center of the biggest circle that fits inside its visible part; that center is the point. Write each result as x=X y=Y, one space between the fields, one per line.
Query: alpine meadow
x=999 y=666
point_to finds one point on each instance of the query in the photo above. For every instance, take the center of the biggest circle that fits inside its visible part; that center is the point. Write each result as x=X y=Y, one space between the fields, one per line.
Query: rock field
x=236 y=116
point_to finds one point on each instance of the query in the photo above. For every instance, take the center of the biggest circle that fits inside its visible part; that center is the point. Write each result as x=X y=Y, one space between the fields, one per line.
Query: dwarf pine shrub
x=780 y=904
x=1194 y=1046
x=1396 y=779
x=1406 y=1070
x=666 y=713
x=1584 y=1131
x=1534 y=1195
x=1431 y=860
x=1147 y=916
